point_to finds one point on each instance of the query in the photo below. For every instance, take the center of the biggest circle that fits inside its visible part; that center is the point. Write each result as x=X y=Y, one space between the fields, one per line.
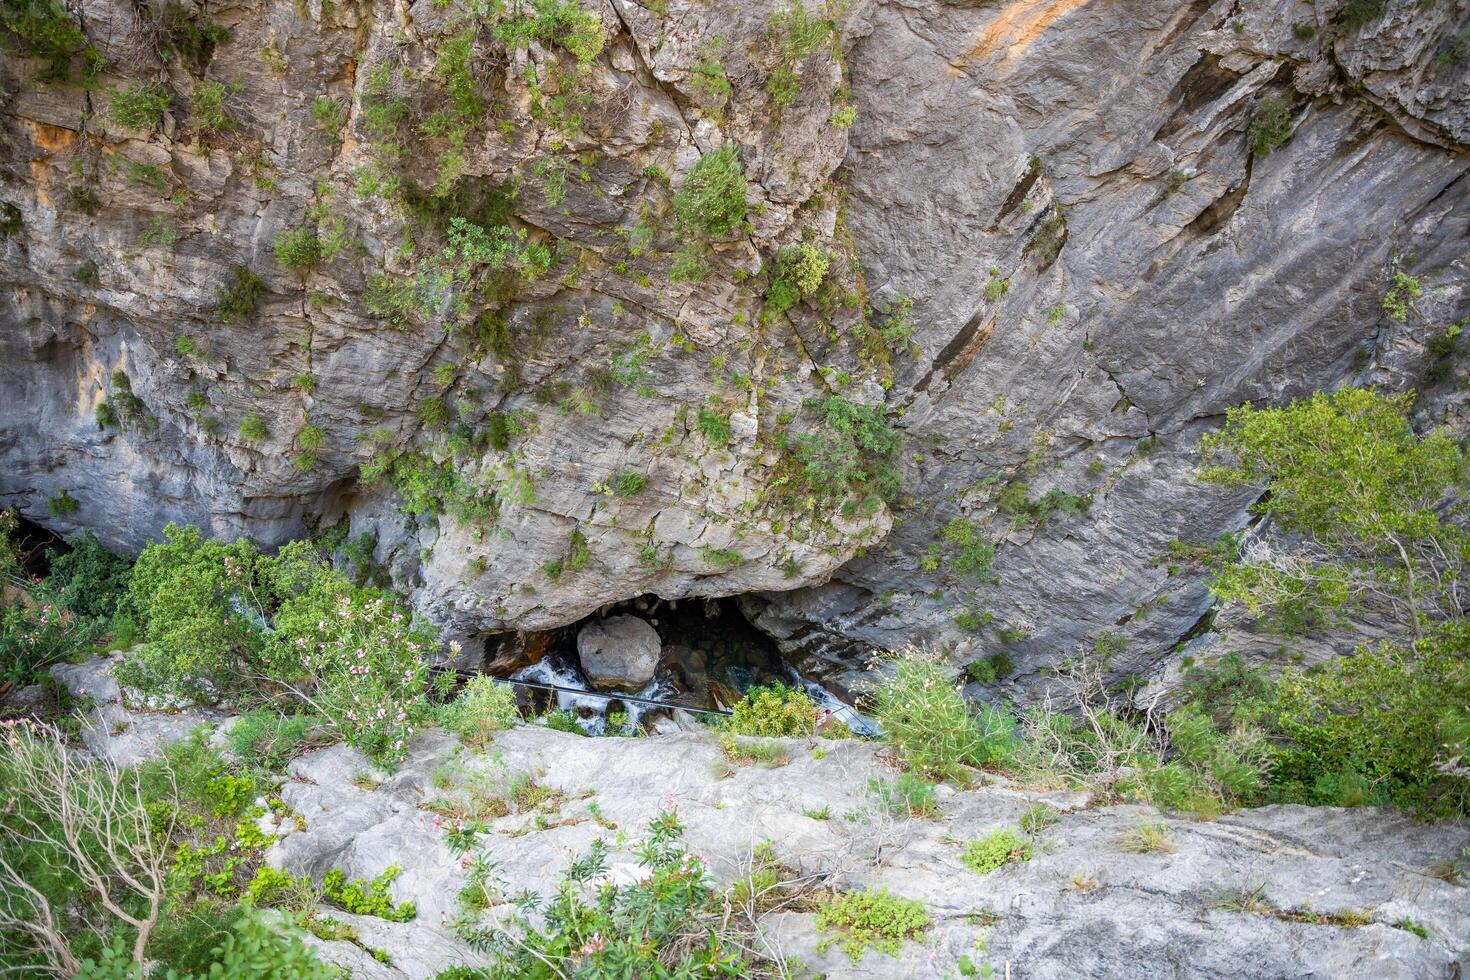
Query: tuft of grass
x=1147 y=838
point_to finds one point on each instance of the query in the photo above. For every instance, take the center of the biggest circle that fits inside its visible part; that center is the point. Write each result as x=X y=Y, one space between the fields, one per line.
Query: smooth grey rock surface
x=1151 y=914
x=618 y=652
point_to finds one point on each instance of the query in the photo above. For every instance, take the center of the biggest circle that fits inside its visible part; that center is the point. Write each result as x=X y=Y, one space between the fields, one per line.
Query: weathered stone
x=618 y=652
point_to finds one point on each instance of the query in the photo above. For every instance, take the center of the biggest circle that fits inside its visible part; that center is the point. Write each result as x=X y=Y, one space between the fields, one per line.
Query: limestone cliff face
x=1100 y=259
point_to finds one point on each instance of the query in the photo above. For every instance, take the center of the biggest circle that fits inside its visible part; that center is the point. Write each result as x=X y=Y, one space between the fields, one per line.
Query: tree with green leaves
x=1365 y=504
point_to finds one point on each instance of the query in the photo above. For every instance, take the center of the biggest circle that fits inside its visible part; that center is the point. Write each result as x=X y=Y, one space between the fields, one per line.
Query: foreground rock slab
x=1253 y=894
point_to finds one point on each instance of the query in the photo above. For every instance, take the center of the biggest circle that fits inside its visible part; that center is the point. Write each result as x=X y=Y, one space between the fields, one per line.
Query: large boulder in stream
x=618 y=652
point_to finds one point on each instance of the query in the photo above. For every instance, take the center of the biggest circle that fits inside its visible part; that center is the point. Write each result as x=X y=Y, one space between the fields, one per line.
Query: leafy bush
x=236 y=300
x=1346 y=472
x=907 y=796
x=716 y=427
x=252 y=426
x=999 y=848
x=1270 y=125
x=860 y=921
x=297 y=249
x=1386 y=717
x=628 y=484
x=973 y=552
x=44 y=29
x=140 y=105
x=269 y=740
x=194 y=601
x=777 y=711
x=209 y=108
x=482 y=708
x=923 y=715
x=89 y=579
x=355 y=655
x=666 y=924
x=367 y=897
x=848 y=455
x=799 y=272
x=713 y=198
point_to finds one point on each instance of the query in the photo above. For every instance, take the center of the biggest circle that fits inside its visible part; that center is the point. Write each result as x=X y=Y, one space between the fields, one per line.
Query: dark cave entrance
x=709 y=655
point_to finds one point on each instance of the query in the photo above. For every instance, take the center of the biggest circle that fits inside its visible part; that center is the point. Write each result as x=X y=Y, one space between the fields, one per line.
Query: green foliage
x=925 y=718
x=267 y=740
x=44 y=29
x=1014 y=499
x=1345 y=470
x=482 y=708
x=797 y=32
x=798 y=273
x=183 y=593
x=993 y=668
x=972 y=553
x=667 y=923
x=783 y=86
x=367 y=897
x=89 y=579
x=358 y=652
x=1270 y=125
x=907 y=796
x=995 y=850
x=716 y=427
x=329 y=114
x=297 y=249
x=628 y=484
x=35 y=629
x=713 y=199
x=1387 y=718
x=209 y=108
x=777 y=711
x=562 y=22
x=252 y=426
x=1357 y=13
x=268 y=951
x=1402 y=292
x=63 y=504
x=848 y=455
x=236 y=300
x=140 y=105
x=191 y=36
x=860 y=921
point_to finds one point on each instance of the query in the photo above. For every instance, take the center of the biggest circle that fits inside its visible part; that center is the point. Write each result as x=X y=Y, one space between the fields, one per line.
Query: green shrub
x=993 y=668
x=848 y=456
x=713 y=198
x=44 y=29
x=367 y=897
x=923 y=715
x=297 y=249
x=183 y=593
x=1270 y=125
x=89 y=578
x=777 y=711
x=973 y=552
x=209 y=108
x=716 y=427
x=484 y=707
x=268 y=740
x=63 y=504
x=799 y=272
x=668 y=923
x=907 y=796
x=999 y=848
x=236 y=300
x=1384 y=717
x=1357 y=13
x=140 y=105
x=628 y=484
x=252 y=426
x=860 y=921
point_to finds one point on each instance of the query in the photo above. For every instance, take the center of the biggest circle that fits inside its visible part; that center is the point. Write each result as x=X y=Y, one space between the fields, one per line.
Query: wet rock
x=620 y=652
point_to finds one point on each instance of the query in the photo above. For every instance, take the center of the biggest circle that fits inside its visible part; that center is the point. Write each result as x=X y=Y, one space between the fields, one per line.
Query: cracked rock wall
x=1098 y=261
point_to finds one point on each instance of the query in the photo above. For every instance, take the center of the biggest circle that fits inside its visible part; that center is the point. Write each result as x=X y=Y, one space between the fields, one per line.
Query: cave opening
x=664 y=664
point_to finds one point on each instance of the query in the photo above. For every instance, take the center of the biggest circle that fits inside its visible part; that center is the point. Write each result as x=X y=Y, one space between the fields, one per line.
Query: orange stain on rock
x=1013 y=30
